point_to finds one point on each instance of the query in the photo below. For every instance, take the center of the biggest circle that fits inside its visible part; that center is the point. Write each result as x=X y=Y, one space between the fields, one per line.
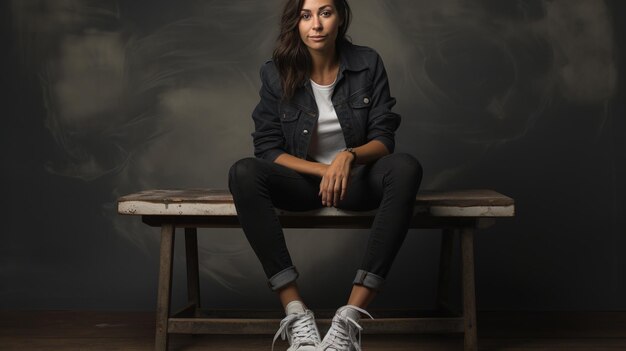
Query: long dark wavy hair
x=291 y=55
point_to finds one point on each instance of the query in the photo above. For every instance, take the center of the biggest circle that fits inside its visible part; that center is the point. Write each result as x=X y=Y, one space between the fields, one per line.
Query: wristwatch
x=350 y=150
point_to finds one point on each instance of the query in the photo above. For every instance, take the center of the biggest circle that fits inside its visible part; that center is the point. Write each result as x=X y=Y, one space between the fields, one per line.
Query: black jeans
x=389 y=184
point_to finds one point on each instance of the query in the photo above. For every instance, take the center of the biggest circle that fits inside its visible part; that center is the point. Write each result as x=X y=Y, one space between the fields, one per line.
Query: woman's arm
x=300 y=165
x=382 y=122
x=370 y=152
x=268 y=138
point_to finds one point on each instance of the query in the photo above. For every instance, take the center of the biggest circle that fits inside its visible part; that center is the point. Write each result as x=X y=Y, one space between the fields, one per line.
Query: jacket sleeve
x=381 y=122
x=268 y=138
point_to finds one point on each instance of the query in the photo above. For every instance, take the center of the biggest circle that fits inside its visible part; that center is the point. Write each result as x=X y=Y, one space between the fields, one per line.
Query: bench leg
x=469 y=294
x=445 y=260
x=193 y=276
x=165 y=286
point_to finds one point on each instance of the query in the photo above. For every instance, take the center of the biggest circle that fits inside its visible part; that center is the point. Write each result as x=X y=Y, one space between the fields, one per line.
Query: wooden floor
x=63 y=330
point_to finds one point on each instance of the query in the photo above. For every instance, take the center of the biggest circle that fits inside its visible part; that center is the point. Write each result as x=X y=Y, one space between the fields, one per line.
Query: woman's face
x=319 y=25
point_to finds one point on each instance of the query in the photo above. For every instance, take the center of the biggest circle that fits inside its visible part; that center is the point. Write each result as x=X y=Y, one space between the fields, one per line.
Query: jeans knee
x=242 y=173
x=406 y=168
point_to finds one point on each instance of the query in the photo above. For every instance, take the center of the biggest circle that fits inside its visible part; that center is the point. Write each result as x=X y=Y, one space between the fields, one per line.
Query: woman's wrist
x=352 y=153
x=322 y=169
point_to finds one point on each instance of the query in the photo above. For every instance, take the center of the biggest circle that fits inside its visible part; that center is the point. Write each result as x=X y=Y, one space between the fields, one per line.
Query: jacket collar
x=349 y=59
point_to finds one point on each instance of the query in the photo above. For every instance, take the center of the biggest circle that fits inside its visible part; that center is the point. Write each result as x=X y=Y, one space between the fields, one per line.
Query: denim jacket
x=361 y=99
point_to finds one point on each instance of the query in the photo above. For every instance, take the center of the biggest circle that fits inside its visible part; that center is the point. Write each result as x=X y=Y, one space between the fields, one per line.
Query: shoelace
x=340 y=333
x=302 y=332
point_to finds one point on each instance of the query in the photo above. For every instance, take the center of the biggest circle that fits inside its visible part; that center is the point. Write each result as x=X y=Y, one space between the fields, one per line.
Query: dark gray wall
x=104 y=98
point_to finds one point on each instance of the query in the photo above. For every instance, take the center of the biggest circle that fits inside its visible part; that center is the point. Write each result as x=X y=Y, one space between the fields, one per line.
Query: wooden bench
x=455 y=212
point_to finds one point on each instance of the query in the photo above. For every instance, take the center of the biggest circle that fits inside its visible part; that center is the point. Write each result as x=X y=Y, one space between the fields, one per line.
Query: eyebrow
x=307 y=10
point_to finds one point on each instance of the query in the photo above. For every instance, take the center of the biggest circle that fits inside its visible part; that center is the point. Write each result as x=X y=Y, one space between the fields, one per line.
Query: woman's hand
x=336 y=175
x=335 y=179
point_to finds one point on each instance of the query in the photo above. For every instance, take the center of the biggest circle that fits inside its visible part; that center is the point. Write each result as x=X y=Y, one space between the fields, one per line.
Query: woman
x=324 y=136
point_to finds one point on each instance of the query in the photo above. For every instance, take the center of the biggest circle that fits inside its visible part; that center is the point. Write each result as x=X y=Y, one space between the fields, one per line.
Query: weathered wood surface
x=214 y=202
x=268 y=326
x=164 y=290
x=134 y=331
x=193 y=274
x=469 y=293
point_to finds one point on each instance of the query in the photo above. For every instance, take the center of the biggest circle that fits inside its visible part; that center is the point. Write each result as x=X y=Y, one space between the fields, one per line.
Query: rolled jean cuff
x=283 y=278
x=369 y=280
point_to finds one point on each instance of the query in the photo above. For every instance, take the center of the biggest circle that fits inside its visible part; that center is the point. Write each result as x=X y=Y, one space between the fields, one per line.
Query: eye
x=326 y=13
x=305 y=16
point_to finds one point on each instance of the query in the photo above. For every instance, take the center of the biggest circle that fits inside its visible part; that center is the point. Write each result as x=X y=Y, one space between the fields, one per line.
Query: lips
x=317 y=37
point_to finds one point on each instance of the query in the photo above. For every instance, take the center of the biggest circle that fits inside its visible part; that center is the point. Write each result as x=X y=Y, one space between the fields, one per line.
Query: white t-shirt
x=327 y=139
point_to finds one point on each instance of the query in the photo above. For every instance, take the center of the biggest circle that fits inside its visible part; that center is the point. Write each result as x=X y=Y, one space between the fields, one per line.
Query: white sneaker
x=298 y=328
x=342 y=335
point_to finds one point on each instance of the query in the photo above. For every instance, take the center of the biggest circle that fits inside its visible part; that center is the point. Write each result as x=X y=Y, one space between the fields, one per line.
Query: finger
x=337 y=192
x=344 y=187
x=322 y=191
x=329 y=192
x=325 y=197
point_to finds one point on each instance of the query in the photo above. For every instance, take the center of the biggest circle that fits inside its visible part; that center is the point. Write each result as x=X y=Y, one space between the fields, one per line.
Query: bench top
x=218 y=202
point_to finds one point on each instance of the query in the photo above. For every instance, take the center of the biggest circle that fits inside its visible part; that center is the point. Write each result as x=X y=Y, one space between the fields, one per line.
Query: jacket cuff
x=388 y=142
x=272 y=154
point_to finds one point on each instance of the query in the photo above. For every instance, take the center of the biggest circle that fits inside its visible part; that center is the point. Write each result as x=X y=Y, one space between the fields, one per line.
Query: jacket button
x=305 y=132
x=366 y=100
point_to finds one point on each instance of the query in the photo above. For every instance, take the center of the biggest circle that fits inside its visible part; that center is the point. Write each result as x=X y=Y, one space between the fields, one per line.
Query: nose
x=317 y=24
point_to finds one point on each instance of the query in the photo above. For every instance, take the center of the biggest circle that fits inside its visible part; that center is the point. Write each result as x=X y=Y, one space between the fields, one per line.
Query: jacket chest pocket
x=289 y=117
x=360 y=104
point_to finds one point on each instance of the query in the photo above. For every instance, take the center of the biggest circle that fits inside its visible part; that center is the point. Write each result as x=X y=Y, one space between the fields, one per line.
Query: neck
x=324 y=66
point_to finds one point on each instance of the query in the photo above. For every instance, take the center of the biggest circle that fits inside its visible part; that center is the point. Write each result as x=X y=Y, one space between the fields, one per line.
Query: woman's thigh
x=290 y=190
x=364 y=190
x=367 y=182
